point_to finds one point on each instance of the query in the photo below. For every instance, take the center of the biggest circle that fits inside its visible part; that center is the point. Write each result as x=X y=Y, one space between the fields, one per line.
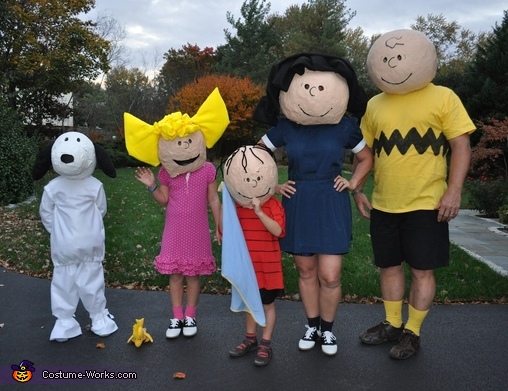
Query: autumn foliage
x=489 y=158
x=241 y=96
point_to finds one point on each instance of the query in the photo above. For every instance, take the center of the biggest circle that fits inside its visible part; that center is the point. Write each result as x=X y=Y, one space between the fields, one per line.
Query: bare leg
x=393 y=283
x=308 y=284
x=250 y=324
x=270 y=321
x=329 y=270
x=423 y=289
x=176 y=289
x=193 y=290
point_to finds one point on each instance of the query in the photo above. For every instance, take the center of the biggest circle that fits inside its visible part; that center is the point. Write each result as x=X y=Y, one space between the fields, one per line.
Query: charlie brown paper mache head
x=178 y=141
x=251 y=172
x=311 y=89
x=402 y=61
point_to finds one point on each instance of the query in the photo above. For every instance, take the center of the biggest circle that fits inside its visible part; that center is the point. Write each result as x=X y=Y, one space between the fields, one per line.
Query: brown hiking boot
x=383 y=332
x=407 y=345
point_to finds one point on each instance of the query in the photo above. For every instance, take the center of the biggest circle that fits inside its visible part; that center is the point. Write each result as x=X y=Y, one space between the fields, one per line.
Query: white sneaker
x=308 y=341
x=174 y=329
x=328 y=343
x=189 y=327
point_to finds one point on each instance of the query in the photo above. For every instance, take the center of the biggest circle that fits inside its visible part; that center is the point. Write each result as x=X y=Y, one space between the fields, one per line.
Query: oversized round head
x=73 y=155
x=251 y=172
x=402 y=61
x=311 y=89
x=315 y=98
x=182 y=154
x=178 y=141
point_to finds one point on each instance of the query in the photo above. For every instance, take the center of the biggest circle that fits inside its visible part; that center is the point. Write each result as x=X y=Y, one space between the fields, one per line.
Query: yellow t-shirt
x=408 y=135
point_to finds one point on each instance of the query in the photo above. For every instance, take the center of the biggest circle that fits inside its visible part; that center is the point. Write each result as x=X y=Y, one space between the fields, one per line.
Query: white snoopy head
x=73 y=155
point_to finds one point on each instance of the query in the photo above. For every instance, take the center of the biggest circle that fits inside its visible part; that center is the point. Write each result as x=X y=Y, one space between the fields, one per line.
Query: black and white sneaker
x=328 y=343
x=174 y=329
x=189 y=327
x=308 y=341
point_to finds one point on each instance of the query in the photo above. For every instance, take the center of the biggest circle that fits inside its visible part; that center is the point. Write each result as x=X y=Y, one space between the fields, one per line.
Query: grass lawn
x=134 y=225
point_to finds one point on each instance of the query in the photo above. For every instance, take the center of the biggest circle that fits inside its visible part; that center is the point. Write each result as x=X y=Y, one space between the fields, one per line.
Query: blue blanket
x=237 y=265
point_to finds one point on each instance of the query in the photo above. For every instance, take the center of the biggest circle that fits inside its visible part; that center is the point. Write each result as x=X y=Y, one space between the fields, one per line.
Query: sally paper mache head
x=402 y=61
x=251 y=172
x=311 y=89
x=178 y=141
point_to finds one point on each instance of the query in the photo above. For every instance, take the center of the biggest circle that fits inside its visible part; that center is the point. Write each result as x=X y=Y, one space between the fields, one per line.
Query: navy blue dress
x=318 y=218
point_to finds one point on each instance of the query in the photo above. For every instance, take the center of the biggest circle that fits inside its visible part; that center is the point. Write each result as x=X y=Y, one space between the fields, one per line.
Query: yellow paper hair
x=142 y=139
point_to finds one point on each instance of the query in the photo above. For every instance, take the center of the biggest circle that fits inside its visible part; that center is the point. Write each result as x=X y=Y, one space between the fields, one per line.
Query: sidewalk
x=481 y=238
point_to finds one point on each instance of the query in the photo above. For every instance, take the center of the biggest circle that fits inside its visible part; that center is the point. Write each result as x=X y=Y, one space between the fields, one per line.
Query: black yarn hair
x=281 y=75
x=243 y=151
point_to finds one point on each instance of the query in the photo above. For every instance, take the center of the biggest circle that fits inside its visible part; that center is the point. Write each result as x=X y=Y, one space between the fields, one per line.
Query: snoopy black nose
x=67 y=158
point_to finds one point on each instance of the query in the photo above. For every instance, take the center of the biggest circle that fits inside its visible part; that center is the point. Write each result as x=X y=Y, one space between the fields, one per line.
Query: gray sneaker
x=383 y=332
x=407 y=345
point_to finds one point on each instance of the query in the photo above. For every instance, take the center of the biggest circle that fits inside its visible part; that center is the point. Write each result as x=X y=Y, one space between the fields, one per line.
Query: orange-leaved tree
x=241 y=96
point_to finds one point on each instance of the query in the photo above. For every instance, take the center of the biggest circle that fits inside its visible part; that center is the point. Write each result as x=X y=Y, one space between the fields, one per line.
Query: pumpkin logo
x=22 y=372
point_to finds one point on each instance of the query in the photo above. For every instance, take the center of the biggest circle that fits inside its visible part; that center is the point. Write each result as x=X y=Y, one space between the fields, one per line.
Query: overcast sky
x=154 y=26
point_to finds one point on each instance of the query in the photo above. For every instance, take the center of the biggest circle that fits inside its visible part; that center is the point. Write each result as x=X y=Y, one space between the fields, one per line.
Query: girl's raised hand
x=145 y=176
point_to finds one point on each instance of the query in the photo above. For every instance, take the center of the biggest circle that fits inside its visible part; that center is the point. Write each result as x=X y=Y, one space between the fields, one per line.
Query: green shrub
x=487 y=196
x=503 y=214
x=118 y=152
x=17 y=156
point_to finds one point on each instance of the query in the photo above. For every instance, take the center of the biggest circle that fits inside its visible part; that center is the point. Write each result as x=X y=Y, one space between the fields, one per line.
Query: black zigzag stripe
x=413 y=138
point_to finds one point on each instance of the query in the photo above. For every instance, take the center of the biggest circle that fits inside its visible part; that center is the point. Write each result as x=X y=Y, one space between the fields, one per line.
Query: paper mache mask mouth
x=187 y=161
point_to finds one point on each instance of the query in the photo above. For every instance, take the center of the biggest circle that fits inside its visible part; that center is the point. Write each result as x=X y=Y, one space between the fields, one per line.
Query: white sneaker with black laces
x=189 y=327
x=328 y=343
x=174 y=329
x=308 y=341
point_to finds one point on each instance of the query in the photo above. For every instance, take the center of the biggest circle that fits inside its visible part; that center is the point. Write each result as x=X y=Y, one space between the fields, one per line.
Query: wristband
x=356 y=191
x=152 y=189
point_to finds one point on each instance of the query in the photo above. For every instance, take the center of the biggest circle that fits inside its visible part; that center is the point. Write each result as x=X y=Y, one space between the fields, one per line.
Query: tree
x=184 y=66
x=254 y=48
x=241 y=96
x=47 y=51
x=132 y=91
x=486 y=79
x=489 y=158
x=317 y=26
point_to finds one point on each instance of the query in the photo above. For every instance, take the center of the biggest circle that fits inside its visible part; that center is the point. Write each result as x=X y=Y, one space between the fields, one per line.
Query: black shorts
x=269 y=296
x=416 y=238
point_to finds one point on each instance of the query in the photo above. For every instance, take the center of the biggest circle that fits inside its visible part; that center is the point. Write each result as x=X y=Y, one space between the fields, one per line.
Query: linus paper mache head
x=74 y=156
x=251 y=172
x=178 y=141
x=402 y=61
x=311 y=89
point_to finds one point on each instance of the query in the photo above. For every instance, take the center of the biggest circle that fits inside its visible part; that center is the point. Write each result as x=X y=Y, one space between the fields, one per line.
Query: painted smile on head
x=250 y=198
x=397 y=83
x=186 y=162
x=311 y=115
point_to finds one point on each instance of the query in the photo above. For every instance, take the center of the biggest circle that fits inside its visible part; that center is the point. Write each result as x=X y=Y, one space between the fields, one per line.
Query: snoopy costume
x=72 y=209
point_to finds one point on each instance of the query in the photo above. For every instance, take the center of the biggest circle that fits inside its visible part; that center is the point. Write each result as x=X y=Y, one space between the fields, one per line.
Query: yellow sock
x=415 y=319
x=393 y=310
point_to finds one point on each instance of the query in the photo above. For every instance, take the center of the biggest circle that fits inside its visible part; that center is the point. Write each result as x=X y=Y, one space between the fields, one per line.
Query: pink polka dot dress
x=186 y=241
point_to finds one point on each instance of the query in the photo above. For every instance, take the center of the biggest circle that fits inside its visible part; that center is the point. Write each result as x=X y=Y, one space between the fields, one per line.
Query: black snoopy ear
x=104 y=161
x=42 y=163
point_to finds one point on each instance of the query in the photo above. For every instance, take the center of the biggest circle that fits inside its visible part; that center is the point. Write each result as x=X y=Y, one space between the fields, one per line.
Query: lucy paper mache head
x=251 y=172
x=402 y=61
x=311 y=89
x=178 y=141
